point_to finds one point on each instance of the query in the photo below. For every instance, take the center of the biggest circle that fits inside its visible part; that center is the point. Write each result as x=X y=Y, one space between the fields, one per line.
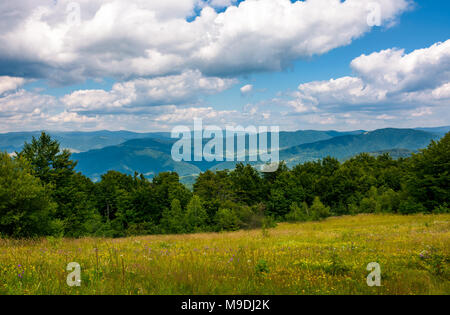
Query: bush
x=269 y=223
x=410 y=206
x=262 y=267
x=388 y=201
x=227 y=220
x=137 y=229
x=442 y=209
x=319 y=211
x=254 y=218
x=298 y=214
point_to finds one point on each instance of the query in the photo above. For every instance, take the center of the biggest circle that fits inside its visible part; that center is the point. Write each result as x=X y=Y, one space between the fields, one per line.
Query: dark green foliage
x=75 y=213
x=318 y=210
x=262 y=267
x=196 y=215
x=298 y=214
x=41 y=194
x=173 y=219
x=227 y=220
x=25 y=203
x=215 y=189
x=49 y=163
x=283 y=191
x=247 y=184
x=429 y=179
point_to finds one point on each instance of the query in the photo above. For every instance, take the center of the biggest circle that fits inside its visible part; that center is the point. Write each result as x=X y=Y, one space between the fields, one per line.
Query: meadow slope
x=328 y=257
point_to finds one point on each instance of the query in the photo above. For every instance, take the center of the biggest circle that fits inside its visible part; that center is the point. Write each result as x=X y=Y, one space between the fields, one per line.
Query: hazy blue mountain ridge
x=152 y=156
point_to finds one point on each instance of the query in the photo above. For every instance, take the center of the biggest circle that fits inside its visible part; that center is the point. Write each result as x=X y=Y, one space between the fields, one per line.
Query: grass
x=328 y=257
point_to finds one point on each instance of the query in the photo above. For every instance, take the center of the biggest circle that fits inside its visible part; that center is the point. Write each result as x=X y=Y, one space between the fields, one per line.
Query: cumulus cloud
x=10 y=83
x=137 y=38
x=167 y=54
x=135 y=95
x=24 y=102
x=386 y=80
x=395 y=71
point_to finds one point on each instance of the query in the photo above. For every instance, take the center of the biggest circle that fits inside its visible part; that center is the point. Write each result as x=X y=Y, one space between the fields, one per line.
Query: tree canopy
x=42 y=194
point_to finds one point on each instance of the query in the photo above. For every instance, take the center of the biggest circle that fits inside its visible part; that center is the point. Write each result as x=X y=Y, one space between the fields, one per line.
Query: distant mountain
x=346 y=146
x=438 y=130
x=76 y=141
x=145 y=156
x=291 y=139
x=152 y=156
x=85 y=141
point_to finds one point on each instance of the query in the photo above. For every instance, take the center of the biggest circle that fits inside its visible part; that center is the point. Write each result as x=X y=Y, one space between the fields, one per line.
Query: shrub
x=227 y=220
x=442 y=209
x=410 y=206
x=298 y=214
x=262 y=267
x=319 y=211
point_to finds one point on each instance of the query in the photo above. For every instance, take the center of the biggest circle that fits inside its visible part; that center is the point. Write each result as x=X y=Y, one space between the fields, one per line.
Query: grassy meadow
x=328 y=257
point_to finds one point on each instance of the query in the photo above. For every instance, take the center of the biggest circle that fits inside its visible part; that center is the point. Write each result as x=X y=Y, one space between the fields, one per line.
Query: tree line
x=41 y=194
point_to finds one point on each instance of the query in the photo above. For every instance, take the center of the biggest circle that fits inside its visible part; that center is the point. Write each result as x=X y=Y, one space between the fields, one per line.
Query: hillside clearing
x=328 y=257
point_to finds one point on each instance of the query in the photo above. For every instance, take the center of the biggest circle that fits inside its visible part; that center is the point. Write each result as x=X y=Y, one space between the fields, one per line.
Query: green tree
x=429 y=179
x=173 y=218
x=167 y=187
x=196 y=215
x=319 y=211
x=49 y=162
x=284 y=191
x=76 y=207
x=25 y=203
x=227 y=220
x=247 y=184
x=215 y=189
x=72 y=192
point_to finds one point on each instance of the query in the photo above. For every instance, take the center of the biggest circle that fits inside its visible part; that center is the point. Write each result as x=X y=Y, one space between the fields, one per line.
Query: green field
x=328 y=257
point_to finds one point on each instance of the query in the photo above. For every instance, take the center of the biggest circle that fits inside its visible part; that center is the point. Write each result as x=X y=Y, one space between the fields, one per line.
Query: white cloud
x=425 y=111
x=24 y=102
x=187 y=115
x=395 y=71
x=246 y=89
x=137 y=94
x=442 y=92
x=386 y=80
x=68 y=117
x=140 y=38
x=10 y=84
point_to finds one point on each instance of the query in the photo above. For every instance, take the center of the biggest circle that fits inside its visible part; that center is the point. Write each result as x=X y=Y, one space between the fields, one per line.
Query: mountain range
x=150 y=153
x=76 y=141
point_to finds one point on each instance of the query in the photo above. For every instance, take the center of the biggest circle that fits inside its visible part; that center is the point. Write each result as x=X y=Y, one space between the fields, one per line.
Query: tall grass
x=328 y=257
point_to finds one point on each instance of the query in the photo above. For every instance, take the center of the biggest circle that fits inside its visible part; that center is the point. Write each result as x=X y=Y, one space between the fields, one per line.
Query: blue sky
x=301 y=69
x=426 y=24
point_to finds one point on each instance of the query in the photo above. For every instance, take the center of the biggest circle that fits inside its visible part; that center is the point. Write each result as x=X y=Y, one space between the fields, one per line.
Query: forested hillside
x=42 y=194
x=153 y=156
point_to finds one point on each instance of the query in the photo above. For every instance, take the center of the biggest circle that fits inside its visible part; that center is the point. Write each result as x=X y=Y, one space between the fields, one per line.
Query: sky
x=145 y=66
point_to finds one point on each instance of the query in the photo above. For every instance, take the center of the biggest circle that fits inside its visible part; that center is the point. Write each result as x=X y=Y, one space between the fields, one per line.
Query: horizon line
x=154 y=132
